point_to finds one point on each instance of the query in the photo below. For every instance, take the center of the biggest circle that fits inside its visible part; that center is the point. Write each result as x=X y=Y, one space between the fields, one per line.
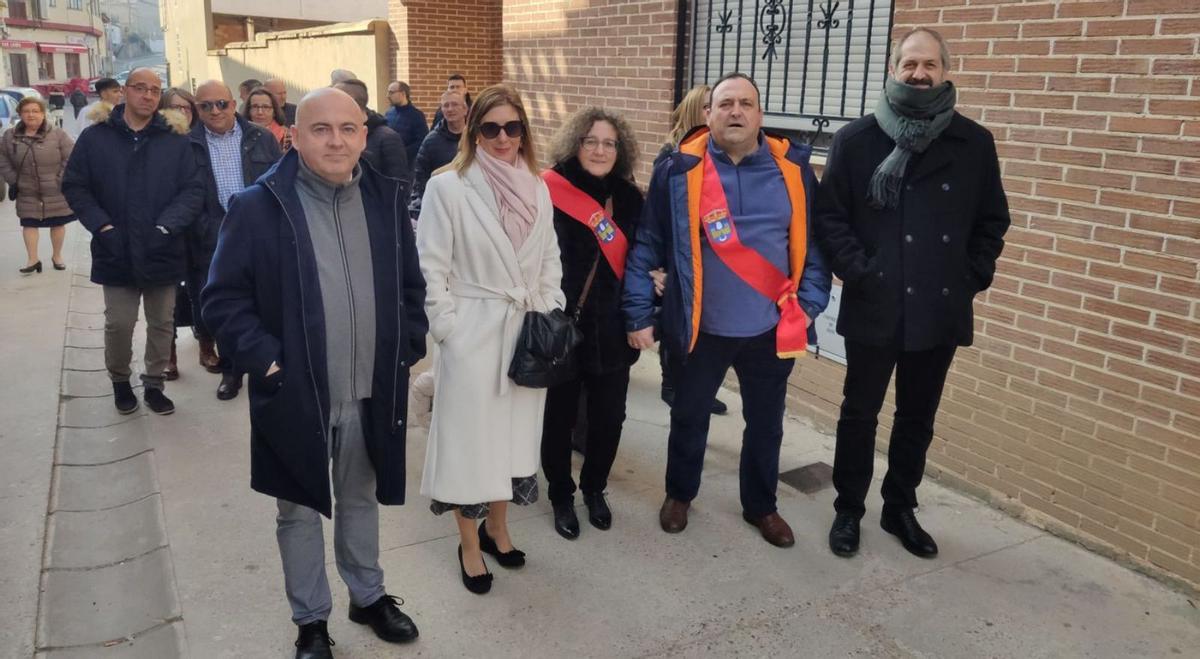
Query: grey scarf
x=913 y=117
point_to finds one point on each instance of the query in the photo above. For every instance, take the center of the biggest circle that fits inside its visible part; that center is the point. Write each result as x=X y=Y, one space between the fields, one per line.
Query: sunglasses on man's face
x=490 y=129
x=207 y=106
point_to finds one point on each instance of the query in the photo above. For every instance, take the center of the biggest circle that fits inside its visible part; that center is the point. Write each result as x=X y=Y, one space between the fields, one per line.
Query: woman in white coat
x=489 y=254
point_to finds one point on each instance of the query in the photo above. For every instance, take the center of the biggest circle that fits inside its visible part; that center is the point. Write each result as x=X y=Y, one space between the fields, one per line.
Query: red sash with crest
x=791 y=335
x=583 y=209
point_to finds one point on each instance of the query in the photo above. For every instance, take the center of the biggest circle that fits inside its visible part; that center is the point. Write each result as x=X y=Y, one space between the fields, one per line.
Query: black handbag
x=545 y=354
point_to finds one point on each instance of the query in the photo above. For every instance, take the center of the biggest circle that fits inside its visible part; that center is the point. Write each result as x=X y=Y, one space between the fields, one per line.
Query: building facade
x=48 y=43
x=1078 y=407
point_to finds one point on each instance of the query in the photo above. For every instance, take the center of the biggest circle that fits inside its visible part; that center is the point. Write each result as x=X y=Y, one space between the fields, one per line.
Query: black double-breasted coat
x=910 y=273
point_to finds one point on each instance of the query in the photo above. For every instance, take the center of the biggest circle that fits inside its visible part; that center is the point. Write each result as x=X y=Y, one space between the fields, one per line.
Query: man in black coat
x=439 y=147
x=233 y=153
x=316 y=288
x=278 y=89
x=405 y=118
x=133 y=181
x=912 y=214
x=385 y=148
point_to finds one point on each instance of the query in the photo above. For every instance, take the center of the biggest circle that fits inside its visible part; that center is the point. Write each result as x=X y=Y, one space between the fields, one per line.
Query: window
x=73 y=70
x=19 y=65
x=46 y=66
x=18 y=9
x=75 y=4
x=819 y=65
x=53 y=3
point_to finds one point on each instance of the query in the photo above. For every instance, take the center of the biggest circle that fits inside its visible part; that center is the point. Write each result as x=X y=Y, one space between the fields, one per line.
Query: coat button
x=945 y=187
x=945 y=291
x=909 y=290
x=399 y=423
x=946 y=238
x=403 y=363
x=908 y=238
x=881 y=274
x=908 y=187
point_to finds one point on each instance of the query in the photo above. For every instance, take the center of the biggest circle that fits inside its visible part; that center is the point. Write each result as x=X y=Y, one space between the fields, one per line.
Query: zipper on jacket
x=303 y=315
x=337 y=224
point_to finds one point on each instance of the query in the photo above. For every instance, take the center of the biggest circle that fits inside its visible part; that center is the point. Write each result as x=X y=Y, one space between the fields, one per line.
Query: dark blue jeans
x=763 y=378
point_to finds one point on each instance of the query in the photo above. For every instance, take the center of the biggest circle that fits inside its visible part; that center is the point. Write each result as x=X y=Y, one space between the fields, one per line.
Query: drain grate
x=809 y=479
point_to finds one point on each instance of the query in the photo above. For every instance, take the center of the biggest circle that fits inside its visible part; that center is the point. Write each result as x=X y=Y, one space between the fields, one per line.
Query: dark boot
x=123 y=398
x=313 y=641
x=903 y=524
x=565 y=521
x=843 y=535
x=386 y=620
x=599 y=513
x=208 y=356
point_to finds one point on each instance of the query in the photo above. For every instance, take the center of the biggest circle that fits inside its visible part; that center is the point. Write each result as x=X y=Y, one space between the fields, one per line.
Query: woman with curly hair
x=596 y=211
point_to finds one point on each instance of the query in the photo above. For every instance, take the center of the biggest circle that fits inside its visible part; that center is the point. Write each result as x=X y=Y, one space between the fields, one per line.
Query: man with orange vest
x=727 y=215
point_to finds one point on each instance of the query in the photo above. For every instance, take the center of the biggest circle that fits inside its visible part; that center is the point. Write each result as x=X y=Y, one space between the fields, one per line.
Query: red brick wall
x=620 y=54
x=435 y=38
x=1079 y=406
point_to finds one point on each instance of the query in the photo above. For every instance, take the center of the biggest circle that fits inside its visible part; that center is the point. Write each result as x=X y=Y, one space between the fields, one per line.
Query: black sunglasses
x=207 y=106
x=490 y=129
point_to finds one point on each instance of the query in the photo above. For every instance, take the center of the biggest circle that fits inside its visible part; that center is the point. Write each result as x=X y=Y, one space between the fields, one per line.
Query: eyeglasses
x=490 y=129
x=595 y=143
x=262 y=108
x=182 y=107
x=145 y=89
x=221 y=105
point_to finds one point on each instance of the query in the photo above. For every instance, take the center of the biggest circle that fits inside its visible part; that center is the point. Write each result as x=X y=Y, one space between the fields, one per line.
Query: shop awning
x=61 y=48
x=16 y=44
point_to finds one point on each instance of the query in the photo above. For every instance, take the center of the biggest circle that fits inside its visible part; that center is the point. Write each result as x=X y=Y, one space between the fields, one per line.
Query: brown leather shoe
x=673 y=515
x=208 y=356
x=773 y=528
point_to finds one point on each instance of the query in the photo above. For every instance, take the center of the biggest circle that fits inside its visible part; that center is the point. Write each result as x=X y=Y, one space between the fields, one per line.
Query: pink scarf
x=515 y=188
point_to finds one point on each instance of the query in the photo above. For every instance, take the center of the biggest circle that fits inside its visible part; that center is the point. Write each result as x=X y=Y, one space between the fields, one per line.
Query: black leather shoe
x=599 y=513
x=843 y=535
x=229 y=387
x=511 y=558
x=36 y=267
x=158 y=402
x=314 y=642
x=478 y=584
x=123 y=398
x=565 y=521
x=386 y=620
x=903 y=525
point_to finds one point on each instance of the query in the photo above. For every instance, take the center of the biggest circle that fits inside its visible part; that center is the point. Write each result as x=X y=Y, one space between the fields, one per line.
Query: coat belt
x=520 y=300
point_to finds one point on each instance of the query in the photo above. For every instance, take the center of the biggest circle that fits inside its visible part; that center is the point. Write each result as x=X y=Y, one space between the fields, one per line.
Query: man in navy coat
x=316 y=289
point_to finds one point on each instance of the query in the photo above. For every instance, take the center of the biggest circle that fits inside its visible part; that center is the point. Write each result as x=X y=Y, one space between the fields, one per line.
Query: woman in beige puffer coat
x=33 y=156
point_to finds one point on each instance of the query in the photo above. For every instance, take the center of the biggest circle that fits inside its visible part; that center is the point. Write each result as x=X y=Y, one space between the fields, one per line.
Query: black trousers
x=920 y=378
x=763 y=379
x=605 y=407
x=193 y=284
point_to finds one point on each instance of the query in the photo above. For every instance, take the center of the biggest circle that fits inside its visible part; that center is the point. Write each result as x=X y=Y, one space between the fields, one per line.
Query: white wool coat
x=485 y=429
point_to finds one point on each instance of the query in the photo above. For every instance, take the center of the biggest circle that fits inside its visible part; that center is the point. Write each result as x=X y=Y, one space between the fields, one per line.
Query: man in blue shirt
x=727 y=216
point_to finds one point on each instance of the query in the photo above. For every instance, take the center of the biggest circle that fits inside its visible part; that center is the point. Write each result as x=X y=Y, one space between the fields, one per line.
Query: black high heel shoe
x=36 y=267
x=57 y=265
x=478 y=584
x=509 y=559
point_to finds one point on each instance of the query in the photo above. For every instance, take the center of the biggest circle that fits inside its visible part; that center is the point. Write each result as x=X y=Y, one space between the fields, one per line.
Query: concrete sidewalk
x=1000 y=588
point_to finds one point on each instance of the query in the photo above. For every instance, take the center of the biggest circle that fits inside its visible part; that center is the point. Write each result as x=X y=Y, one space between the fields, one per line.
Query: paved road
x=200 y=575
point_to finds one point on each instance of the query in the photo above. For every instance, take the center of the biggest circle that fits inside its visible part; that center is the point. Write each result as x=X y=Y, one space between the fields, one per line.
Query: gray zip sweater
x=337 y=223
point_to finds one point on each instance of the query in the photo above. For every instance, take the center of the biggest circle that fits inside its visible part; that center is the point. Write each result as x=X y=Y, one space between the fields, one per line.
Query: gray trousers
x=355 y=528
x=120 y=316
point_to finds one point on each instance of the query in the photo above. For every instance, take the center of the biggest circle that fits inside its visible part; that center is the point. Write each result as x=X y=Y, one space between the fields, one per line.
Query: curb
x=108 y=582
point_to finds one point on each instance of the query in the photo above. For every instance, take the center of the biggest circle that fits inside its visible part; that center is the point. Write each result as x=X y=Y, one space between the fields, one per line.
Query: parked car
x=8 y=111
x=18 y=93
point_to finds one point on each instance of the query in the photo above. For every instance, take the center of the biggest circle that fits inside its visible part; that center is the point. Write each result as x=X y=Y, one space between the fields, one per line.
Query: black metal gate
x=819 y=64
